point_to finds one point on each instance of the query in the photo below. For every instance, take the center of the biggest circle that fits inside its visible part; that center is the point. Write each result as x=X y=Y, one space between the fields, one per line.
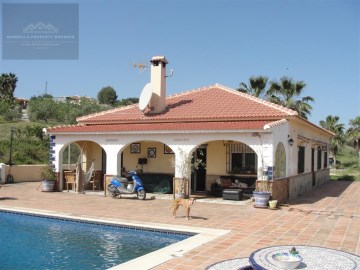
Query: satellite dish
x=145 y=96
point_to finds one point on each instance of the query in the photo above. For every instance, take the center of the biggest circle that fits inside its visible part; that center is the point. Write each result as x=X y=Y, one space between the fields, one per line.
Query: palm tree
x=353 y=134
x=331 y=124
x=7 y=85
x=256 y=86
x=287 y=93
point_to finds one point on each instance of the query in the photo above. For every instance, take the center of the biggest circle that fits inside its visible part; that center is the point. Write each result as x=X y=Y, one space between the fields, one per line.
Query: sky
x=206 y=42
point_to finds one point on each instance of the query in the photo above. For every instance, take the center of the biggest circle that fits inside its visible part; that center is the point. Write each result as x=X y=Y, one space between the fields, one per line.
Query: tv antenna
x=141 y=66
x=171 y=73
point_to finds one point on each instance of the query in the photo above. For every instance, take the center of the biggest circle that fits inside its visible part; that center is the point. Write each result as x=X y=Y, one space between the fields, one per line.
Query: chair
x=70 y=179
x=96 y=179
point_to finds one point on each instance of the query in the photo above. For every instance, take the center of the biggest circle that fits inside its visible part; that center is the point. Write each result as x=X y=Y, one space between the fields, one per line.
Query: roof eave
x=187 y=120
x=261 y=130
x=307 y=122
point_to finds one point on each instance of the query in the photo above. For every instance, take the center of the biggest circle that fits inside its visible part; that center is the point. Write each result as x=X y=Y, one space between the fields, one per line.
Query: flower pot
x=273 y=203
x=47 y=185
x=261 y=198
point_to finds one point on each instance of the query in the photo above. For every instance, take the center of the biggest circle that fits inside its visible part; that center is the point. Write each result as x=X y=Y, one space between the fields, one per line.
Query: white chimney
x=158 y=82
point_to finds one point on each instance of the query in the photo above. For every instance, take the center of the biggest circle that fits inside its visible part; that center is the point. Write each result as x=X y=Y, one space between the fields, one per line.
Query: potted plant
x=262 y=193
x=48 y=177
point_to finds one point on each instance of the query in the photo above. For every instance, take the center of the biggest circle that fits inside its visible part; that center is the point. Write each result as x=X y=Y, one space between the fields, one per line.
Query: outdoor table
x=313 y=258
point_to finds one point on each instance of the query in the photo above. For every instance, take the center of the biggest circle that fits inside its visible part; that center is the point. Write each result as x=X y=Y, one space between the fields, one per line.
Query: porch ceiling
x=156 y=127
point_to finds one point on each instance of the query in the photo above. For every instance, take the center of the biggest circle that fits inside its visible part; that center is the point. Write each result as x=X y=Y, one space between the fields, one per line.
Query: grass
x=349 y=169
x=26 y=149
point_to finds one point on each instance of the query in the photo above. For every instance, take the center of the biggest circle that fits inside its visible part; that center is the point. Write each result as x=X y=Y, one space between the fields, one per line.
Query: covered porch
x=238 y=157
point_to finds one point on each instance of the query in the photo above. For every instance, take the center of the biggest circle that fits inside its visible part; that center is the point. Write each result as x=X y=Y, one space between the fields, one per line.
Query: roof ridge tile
x=275 y=123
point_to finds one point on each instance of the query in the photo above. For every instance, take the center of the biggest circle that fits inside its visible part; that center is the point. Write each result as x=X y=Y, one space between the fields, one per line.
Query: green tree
x=126 y=101
x=256 y=86
x=69 y=111
x=332 y=124
x=9 y=111
x=27 y=146
x=107 y=95
x=288 y=93
x=353 y=134
x=45 y=108
x=42 y=108
x=8 y=83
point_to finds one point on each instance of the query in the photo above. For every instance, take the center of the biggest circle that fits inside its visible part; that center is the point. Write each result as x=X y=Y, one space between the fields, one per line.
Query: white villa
x=232 y=132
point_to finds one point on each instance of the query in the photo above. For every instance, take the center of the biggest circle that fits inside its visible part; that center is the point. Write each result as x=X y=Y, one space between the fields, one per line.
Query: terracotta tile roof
x=212 y=103
x=158 y=127
x=276 y=123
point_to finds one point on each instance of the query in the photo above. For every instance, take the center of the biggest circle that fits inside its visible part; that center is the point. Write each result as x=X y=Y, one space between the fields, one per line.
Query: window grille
x=240 y=159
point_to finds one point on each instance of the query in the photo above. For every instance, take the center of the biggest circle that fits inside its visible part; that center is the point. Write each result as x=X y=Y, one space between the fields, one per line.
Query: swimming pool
x=40 y=242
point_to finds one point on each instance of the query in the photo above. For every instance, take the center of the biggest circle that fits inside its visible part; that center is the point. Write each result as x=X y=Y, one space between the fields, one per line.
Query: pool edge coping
x=148 y=261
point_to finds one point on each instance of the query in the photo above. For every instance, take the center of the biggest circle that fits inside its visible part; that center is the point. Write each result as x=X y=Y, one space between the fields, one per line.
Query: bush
x=47 y=173
x=9 y=111
x=30 y=145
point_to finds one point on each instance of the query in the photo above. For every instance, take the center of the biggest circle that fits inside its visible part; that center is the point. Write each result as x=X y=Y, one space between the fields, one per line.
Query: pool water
x=33 y=242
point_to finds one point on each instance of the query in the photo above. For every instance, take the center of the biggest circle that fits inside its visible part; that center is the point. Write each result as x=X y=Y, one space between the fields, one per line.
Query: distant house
x=22 y=102
x=232 y=132
x=74 y=99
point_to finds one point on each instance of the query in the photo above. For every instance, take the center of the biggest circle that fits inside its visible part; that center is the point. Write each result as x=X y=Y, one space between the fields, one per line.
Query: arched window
x=280 y=161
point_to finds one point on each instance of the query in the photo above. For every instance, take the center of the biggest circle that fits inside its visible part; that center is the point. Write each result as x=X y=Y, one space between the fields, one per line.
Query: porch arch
x=89 y=153
x=225 y=158
x=280 y=161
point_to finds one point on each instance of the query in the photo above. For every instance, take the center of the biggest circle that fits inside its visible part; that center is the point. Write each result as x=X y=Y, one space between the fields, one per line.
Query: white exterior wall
x=264 y=144
x=313 y=134
x=113 y=145
x=281 y=134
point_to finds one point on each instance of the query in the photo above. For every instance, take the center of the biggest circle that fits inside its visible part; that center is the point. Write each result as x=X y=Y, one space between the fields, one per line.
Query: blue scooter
x=130 y=185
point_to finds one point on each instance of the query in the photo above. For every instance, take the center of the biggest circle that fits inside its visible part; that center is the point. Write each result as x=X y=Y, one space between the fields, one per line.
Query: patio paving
x=328 y=216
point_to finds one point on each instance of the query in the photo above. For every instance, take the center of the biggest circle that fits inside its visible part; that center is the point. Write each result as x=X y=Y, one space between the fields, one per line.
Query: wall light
x=290 y=141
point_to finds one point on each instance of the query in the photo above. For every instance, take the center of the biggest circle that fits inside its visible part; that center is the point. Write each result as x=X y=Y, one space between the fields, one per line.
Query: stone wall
x=284 y=189
x=280 y=190
x=300 y=184
x=321 y=176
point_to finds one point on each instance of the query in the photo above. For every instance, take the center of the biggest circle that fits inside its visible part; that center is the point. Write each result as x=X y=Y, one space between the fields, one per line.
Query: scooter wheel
x=141 y=194
x=112 y=195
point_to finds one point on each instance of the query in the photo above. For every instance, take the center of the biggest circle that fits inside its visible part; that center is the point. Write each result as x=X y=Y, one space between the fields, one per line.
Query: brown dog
x=187 y=203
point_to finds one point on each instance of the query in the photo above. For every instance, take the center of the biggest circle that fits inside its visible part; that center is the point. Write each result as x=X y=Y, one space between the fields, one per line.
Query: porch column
x=58 y=155
x=182 y=153
x=265 y=159
x=113 y=158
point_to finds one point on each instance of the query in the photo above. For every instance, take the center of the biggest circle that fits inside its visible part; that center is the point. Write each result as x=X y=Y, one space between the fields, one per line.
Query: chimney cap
x=159 y=59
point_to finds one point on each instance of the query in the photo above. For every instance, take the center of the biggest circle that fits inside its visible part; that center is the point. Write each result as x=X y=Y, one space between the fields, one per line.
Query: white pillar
x=58 y=163
x=182 y=165
x=2 y=173
x=113 y=158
